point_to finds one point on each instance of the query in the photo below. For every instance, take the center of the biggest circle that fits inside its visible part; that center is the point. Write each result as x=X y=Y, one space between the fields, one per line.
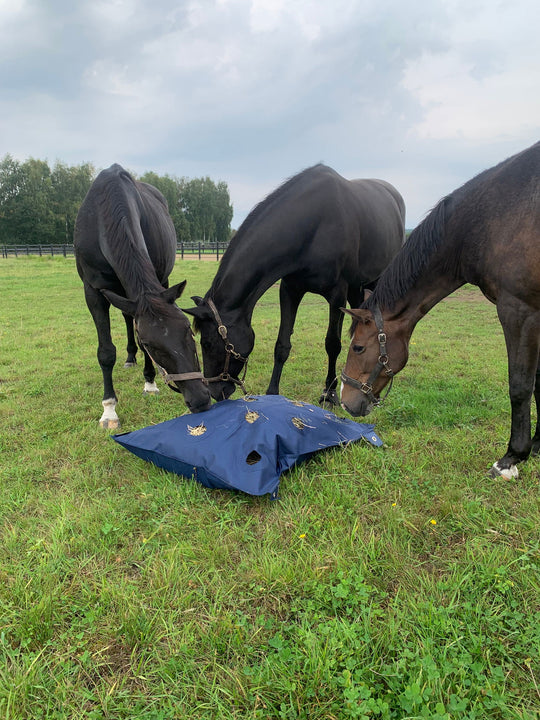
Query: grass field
x=391 y=583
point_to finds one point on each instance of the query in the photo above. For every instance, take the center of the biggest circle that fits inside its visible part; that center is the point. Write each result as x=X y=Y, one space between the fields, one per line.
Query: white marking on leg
x=150 y=388
x=508 y=473
x=109 y=419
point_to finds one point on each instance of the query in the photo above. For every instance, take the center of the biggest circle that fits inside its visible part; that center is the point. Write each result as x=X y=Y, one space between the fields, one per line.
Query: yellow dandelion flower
x=303 y=535
x=433 y=522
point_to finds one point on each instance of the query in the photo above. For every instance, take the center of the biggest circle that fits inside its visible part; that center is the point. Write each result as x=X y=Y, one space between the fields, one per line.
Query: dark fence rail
x=201 y=250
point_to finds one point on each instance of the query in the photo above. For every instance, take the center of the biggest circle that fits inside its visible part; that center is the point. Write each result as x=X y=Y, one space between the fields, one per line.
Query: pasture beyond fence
x=200 y=249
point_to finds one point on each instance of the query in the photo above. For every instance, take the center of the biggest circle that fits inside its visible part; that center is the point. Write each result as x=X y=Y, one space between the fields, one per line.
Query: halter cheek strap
x=171 y=378
x=224 y=375
x=382 y=364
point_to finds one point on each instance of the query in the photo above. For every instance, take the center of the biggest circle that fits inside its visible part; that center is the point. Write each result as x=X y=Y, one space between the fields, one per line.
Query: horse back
x=494 y=221
x=372 y=215
x=123 y=222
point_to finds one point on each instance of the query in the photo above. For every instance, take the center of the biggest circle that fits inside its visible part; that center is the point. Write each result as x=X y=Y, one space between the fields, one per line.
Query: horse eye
x=358 y=349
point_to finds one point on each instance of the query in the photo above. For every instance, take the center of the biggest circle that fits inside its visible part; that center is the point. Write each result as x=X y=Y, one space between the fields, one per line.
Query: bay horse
x=318 y=233
x=125 y=248
x=486 y=233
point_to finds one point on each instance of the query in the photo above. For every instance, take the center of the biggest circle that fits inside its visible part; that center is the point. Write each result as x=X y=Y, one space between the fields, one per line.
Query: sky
x=424 y=94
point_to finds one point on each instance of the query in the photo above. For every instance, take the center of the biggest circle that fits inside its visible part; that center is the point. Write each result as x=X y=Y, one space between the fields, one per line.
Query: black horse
x=486 y=233
x=125 y=248
x=319 y=233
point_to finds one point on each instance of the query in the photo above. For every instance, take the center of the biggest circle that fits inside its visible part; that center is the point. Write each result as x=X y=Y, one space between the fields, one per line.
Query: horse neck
x=247 y=274
x=420 y=299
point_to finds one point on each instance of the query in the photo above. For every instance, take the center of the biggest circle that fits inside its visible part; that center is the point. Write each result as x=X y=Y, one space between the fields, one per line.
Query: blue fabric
x=244 y=444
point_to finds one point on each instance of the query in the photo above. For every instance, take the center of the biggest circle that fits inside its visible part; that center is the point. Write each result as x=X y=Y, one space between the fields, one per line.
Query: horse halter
x=170 y=378
x=224 y=375
x=382 y=364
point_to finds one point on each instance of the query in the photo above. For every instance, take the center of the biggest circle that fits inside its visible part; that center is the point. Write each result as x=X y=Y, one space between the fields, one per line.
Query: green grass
x=389 y=583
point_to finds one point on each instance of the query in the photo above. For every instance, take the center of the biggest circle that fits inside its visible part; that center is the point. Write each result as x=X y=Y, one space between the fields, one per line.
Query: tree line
x=39 y=205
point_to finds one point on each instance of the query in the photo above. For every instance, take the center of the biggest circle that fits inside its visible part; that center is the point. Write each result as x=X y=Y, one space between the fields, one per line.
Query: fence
x=201 y=250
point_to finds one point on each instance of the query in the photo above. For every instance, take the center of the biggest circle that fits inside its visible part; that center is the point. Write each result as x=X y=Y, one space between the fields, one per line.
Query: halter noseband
x=224 y=375
x=382 y=364
x=170 y=378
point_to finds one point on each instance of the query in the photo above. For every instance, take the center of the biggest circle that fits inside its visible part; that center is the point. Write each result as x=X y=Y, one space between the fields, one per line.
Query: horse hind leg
x=522 y=336
x=332 y=345
x=535 y=449
x=131 y=348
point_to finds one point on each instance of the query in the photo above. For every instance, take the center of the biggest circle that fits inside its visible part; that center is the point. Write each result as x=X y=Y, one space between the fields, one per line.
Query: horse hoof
x=150 y=389
x=330 y=397
x=109 y=424
x=129 y=364
x=510 y=473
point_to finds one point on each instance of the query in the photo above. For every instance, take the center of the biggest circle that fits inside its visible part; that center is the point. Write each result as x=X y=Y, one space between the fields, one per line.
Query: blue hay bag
x=244 y=444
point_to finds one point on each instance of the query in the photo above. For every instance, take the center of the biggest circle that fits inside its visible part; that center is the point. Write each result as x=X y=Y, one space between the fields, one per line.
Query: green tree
x=25 y=202
x=169 y=187
x=207 y=208
x=38 y=206
x=69 y=186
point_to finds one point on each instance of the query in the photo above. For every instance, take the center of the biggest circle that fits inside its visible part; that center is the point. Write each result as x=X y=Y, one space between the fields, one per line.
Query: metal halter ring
x=382 y=364
x=224 y=375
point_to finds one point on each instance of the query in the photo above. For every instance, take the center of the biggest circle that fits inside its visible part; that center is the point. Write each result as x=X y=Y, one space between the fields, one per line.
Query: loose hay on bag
x=244 y=444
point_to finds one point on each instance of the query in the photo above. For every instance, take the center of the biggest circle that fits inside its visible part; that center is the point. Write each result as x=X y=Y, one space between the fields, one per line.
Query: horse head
x=226 y=345
x=164 y=333
x=378 y=350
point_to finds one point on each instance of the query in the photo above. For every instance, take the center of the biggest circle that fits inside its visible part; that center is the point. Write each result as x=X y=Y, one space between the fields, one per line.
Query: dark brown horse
x=125 y=248
x=486 y=233
x=319 y=233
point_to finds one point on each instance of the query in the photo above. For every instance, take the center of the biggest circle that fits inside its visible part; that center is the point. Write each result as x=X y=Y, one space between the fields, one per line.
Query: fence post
x=199 y=249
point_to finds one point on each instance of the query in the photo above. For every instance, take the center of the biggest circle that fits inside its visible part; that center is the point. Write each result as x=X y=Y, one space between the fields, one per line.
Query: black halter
x=224 y=375
x=170 y=378
x=382 y=364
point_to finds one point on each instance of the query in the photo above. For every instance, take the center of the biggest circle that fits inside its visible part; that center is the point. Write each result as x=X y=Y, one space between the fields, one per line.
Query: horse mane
x=131 y=260
x=151 y=304
x=261 y=209
x=402 y=273
x=428 y=237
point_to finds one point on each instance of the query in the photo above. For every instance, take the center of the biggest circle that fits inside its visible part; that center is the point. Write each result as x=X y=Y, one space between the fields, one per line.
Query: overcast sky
x=424 y=93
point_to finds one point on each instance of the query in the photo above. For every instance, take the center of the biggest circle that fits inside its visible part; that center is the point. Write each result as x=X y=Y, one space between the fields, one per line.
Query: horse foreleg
x=149 y=373
x=289 y=300
x=106 y=354
x=522 y=336
x=332 y=345
x=131 y=348
x=535 y=449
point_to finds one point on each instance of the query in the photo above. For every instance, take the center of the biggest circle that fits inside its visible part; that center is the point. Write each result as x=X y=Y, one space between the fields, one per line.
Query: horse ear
x=174 y=292
x=363 y=316
x=129 y=307
x=199 y=311
x=197 y=299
